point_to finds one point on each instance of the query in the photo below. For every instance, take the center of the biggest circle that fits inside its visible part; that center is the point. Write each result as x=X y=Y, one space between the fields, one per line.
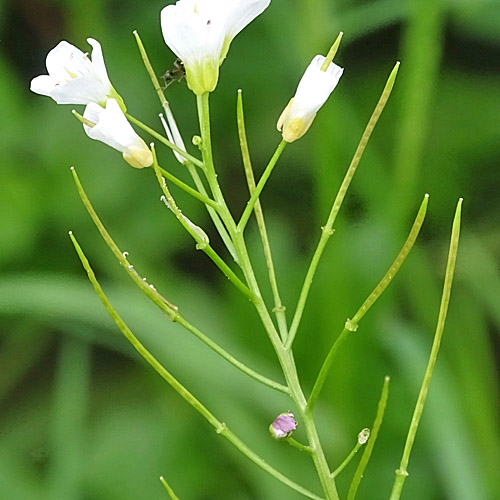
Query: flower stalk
x=199 y=236
x=363 y=437
x=212 y=211
x=402 y=471
x=327 y=230
x=260 y=186
x=171 y=310
x=220 y=427
x=278 y=309
x=351 y=325
x=367 y=453
x=285 y=356
x=169 y=489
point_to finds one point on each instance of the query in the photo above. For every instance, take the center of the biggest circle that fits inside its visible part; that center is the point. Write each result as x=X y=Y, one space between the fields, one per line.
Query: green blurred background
x=83 y=418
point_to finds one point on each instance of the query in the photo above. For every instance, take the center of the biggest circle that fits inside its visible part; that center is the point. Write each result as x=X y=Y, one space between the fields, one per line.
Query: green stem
x=189 y=190
x=327 y=230
x=165 y=141
x=150 y=70
x=360 y=470
x=156 y=365
x=203 y=104
x=299 y=446
x=260 y=186
x=287 y=363
x=206 y=146
x=402 y=472
x=346 y=462
x=201 y=242
x=325 y=368
x=279 y=308
x=319 y=458
x=213 y=213
x=169 y=309
x=285 y=357
x=220 y=427
x=170 y=491
x=263 y=464
x=352 y=324
x=193 y=172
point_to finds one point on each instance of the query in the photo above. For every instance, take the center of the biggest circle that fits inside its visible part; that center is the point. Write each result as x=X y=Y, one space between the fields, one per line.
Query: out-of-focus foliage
x=82 y=418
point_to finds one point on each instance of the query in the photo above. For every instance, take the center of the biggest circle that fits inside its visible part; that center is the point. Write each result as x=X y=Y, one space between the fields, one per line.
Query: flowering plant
x=200 y=32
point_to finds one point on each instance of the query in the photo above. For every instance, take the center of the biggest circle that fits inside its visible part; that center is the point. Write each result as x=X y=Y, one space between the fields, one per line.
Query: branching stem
x=327 y=230
x=352 y=324
x=279 y=308
x=220 y=427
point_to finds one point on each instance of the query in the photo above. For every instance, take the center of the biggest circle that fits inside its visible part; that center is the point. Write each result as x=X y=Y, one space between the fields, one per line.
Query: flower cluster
x=74 y=78
x=200 y=33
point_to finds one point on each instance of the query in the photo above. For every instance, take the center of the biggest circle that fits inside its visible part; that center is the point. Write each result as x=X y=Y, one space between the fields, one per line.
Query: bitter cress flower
x=112 y=127
x=200 y=32
x=314 y=89
x=74 y=78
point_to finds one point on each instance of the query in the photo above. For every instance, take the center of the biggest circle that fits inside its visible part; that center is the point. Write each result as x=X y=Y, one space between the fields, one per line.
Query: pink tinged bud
x=283 y=426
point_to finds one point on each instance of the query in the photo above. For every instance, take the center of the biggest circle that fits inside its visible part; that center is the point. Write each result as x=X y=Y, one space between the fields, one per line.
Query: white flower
x=112 y=128
x=200 y=32
x=73 y=78
x=173 y=134
x=314 y=89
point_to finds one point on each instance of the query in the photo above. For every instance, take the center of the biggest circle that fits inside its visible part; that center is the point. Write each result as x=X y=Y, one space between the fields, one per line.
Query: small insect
x=175 y=74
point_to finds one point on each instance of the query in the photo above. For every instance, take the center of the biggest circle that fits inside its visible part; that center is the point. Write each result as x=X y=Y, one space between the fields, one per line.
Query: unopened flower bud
x=314 y=89
x=364 y=435
x=283 y=426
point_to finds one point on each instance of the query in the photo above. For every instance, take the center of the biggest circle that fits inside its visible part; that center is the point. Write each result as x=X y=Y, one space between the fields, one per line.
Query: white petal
x=175 y=130
x=92 y=113
x=73 y=78
x=61 y=59
x=242 y=13
x=79 y=91
x=100 y=132
x=312 y=92
x=315 y=87
x=199 y=32
x=98 y=61
x=112 y=128
x=192 y=36
x=43 y=85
